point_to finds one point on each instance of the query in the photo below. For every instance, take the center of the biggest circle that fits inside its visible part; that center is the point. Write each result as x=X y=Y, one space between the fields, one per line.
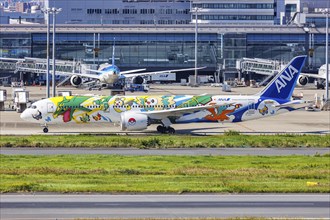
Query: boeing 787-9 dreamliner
x=136 y=113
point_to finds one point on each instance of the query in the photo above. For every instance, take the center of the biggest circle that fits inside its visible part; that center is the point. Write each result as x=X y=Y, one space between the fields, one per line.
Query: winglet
x=282 y=86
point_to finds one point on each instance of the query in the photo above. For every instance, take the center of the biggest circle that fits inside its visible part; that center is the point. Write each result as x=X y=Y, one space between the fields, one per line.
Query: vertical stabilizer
x=113 y=52
x=282 y=86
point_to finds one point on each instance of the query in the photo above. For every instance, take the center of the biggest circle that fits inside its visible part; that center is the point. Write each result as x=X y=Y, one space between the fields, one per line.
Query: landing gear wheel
x=165 y=130
x=45 y=130
x=161 y=129
x=170 y=130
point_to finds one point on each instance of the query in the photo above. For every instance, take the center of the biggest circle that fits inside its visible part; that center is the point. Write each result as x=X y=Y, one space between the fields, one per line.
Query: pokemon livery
x=135 y=113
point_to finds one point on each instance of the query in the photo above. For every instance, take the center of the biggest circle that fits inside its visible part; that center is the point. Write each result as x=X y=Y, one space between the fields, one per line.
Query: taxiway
x=41 y=206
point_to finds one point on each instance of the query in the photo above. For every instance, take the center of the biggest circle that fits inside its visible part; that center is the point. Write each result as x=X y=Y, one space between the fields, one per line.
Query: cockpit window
x=33 y=106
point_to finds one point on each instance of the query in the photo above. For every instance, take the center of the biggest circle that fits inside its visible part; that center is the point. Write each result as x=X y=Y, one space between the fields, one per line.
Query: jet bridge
x=265 y=67
x=36 y=65
x=7 y=65
x=39 y=66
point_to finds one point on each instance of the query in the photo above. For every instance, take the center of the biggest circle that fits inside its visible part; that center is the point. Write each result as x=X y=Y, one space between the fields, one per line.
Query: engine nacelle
x=302 y=80
x=133 y=121
x=138 y=80
x=76 y=80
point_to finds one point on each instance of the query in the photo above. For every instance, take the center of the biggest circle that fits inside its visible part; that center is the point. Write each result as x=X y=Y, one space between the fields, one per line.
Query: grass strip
x=165 y=174
x=230 y=139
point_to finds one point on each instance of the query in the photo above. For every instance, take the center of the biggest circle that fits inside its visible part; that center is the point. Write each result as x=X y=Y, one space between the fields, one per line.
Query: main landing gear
x=165 y=130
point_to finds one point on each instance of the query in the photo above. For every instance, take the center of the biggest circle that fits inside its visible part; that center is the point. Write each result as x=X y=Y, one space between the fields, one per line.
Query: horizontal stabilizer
x=300 y=103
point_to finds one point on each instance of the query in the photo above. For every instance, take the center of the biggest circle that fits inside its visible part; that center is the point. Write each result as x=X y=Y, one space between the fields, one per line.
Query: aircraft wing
x=132 y=71
x=157 y=72
x=122 y=72
x=86 y=75
x=177 y=112
x=317 y=76
x=94 y=71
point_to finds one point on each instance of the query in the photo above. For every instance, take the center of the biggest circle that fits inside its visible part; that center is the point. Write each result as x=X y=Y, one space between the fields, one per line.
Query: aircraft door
x=50 y=107
x=251 y=107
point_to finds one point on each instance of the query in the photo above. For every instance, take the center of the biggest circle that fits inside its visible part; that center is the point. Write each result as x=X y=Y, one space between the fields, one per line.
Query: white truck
x=162 y=77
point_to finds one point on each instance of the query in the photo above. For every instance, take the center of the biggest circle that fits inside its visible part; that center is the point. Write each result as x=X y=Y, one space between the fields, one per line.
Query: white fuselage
x=108 y=77
x=94 y=110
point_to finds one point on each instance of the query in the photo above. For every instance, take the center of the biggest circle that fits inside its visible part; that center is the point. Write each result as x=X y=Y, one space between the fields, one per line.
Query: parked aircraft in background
x=136 y=113
x=320 y=77
x=110 y=74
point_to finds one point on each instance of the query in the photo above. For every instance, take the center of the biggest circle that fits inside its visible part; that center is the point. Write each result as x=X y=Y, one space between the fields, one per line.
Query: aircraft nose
x=24 y=115
x=29 y=115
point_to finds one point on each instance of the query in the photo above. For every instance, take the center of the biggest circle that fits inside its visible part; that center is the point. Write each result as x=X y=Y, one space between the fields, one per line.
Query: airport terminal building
x=161 y=34
x=167 y=46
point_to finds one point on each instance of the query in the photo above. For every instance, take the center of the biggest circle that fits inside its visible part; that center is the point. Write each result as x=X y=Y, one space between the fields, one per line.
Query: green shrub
x=231 y=133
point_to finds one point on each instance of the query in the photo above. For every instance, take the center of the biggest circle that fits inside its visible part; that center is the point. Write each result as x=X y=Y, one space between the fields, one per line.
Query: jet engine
x=76 y=80
x=133 y=121
x=302 y=80
x=137 y=80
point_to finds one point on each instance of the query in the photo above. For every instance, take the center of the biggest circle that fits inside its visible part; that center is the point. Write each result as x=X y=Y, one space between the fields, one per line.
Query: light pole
x=54 y=11
x=46 y=11
x=196 y=39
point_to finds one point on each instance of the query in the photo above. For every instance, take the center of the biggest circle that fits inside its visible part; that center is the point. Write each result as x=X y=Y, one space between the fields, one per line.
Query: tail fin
x=282 y=86
x=113 y=52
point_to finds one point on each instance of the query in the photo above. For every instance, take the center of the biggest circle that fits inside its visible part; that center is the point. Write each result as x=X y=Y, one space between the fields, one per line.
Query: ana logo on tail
x=287 y=76
x=282 y=86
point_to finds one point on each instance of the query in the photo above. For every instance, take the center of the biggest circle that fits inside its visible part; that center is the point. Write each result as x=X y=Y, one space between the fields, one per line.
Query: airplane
x=110 y=74
x=107 y=74
x=320 y=77
x=136 y=113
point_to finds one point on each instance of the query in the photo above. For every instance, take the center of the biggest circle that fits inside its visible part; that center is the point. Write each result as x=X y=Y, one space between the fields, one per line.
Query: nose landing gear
x=45 y=129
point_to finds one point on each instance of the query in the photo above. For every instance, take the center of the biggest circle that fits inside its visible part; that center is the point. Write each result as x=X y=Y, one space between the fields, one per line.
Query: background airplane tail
x=282 y=86
x=113 y=52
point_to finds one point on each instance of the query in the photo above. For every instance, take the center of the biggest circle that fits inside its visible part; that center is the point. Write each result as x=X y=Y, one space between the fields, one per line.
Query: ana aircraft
x=136 y=113
x=110 y=74
x=303 y=78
